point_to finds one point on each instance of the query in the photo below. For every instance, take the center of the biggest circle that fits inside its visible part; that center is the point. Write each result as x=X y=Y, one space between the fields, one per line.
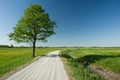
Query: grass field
x=103 y=58
x=11 y=58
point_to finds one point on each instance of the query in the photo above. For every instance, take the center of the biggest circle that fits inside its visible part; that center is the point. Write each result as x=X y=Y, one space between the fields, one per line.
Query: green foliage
x=4 y=46
x=35 y=23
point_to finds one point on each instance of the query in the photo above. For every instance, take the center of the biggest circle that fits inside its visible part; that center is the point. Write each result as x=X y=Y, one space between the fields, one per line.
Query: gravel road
x=49 y=67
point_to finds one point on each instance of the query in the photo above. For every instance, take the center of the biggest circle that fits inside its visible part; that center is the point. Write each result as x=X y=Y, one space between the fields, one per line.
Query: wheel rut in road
x=49 y=67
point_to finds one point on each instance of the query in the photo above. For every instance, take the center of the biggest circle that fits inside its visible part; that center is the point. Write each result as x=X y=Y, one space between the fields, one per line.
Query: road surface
x=48 y=67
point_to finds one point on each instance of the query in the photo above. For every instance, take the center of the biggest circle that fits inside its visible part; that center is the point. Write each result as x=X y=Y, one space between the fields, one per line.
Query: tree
x=34 y=26
x=11 y=46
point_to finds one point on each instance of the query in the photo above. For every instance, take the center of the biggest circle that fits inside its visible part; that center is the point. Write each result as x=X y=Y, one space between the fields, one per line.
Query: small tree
x=34 y=26
x=11 y=46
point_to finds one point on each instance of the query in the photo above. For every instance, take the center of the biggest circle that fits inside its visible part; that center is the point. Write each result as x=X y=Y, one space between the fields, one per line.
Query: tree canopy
x=35 y=25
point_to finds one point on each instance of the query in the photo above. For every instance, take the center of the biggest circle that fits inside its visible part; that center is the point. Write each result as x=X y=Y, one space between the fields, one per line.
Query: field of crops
x=11 y=58
x=94 y=63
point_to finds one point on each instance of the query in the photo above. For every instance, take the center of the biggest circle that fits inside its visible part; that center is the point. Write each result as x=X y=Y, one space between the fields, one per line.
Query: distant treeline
x=12 y=46
x=4 y=46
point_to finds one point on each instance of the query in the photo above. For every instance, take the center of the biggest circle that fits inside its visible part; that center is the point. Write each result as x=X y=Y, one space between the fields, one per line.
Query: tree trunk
x=33 y=54
x=34 y=46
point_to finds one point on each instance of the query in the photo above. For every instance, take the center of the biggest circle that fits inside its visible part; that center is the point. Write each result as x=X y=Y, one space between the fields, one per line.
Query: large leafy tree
x=34 y=26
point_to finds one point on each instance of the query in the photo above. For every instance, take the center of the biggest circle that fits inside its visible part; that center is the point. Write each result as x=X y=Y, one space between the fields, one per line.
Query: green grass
x=76 y=70
x=11 y=58
x=106 y=58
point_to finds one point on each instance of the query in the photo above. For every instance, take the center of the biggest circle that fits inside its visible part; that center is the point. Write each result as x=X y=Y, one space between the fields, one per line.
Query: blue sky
x=80 y=22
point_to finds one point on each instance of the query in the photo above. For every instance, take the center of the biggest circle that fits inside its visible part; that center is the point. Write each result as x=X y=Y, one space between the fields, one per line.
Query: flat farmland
x=93 y=63
x=12 y=58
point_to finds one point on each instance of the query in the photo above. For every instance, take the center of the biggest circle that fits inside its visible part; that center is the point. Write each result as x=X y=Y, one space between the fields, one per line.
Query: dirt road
x=48 y=67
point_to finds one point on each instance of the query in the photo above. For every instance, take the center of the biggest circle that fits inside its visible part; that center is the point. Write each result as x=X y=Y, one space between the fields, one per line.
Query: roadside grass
x=81 y=60
x=76 y=70
x=108 y=58
x=111 y=64
x=12 y=58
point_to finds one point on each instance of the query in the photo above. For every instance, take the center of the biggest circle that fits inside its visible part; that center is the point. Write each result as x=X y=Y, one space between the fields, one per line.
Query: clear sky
x=80 y=22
